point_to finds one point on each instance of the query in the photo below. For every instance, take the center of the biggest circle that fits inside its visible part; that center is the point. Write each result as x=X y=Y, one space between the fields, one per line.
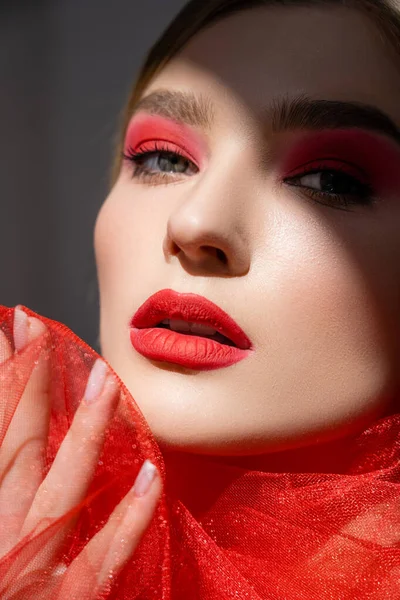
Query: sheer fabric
x=275 y=536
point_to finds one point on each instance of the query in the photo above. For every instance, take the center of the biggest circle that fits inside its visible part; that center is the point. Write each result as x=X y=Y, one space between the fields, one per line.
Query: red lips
x=187 y=349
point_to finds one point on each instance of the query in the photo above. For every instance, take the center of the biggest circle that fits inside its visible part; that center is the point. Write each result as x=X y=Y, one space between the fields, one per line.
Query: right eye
x=159 y=162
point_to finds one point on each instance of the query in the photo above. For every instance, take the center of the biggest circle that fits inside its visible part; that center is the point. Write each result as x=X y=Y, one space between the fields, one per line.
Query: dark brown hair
x=196 y=15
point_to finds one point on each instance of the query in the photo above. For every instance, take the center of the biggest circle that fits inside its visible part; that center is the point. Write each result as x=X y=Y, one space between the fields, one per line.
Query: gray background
x=66 y=67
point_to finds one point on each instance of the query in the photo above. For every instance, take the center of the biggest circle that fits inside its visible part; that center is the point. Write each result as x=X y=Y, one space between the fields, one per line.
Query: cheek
x=105 y=241
x=115 y=245
x=336 y=268
x=327 y=323
x=128 y=238
x=318 y=284
x=115 y=275
x=328 y=283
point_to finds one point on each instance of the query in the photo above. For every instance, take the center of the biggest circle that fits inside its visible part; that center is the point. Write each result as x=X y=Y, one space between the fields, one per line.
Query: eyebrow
x=285 y=114
x=306 y=113
x=192 y=109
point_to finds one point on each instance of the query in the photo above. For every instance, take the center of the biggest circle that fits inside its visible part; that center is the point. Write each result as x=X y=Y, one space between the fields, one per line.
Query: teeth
x=177 y=325
x=184 y=326
x=202 y=329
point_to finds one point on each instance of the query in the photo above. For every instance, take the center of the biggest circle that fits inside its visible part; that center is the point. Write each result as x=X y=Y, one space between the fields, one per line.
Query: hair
x=196 y=15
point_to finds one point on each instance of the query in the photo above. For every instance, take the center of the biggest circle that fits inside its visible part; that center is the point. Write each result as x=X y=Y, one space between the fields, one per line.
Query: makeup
x=368 y=156
x=145 y=129
x=187 y=330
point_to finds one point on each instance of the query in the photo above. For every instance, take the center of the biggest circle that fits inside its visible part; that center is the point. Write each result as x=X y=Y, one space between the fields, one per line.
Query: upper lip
x=168 y=304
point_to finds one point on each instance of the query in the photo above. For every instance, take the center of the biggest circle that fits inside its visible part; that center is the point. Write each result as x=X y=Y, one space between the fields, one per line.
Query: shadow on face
x=268 y=183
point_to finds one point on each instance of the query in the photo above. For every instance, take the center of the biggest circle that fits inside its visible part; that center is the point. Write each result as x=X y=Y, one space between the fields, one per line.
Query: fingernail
x=20 y=329
x=144 y=479
x=95 y=381
x=59 y=569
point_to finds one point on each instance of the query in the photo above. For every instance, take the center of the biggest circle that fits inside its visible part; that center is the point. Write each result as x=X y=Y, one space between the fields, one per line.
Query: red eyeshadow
x=153 y=128
x=374 y=155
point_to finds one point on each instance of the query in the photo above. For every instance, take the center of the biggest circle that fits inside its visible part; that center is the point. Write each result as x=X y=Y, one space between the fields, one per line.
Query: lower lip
x=190 y=351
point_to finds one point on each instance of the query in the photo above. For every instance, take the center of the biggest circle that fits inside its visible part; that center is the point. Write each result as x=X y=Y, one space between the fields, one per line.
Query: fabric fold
x=267 y=536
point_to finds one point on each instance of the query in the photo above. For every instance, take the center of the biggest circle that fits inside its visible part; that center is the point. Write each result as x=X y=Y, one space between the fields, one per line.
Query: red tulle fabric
x=275 y=536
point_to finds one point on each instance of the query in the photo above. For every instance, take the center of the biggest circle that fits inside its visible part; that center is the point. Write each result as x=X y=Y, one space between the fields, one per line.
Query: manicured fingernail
x=59 y=569
x=21 y=321
x=144 y=479
x=95 y=381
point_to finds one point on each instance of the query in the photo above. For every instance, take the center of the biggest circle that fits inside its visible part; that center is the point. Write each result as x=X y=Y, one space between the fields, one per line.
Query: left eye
x=331 y=182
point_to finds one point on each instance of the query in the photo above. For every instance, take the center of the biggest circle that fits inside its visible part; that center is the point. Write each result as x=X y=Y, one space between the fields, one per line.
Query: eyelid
x=171 y=147
x=145 y=128
x=326 y=164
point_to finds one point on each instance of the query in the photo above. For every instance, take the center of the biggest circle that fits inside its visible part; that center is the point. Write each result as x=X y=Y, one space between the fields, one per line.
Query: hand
x=29 y=503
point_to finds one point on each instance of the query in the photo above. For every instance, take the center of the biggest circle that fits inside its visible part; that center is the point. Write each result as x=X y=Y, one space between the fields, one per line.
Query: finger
x=5 y=348
x=22 y=451
x=71 y=473
x=95 y=568
x=5 y=354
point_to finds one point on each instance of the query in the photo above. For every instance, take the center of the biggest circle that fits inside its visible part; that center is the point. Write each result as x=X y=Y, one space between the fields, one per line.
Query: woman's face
x=276 y=197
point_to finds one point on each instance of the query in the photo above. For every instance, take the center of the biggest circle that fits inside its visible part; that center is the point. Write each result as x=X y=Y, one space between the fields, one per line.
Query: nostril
x=195 y=252
x=221 y=256
x=216 y=252
x=174 y=249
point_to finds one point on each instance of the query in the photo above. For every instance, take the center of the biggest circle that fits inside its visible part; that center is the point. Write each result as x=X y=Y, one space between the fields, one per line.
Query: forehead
x=329 y=53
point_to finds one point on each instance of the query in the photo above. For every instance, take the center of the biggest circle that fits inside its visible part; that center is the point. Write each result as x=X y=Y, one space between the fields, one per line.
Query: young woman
x=249 y=269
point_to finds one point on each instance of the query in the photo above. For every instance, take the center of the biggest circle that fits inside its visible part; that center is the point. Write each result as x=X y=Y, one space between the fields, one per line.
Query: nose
x=209 y=230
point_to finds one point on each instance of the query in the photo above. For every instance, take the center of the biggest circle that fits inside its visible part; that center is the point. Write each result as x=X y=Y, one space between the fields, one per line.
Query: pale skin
x=315 y=288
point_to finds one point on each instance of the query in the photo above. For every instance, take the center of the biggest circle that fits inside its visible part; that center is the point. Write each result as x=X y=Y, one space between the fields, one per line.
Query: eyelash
x=135 y=157
x=366 y=199
x=338 y=201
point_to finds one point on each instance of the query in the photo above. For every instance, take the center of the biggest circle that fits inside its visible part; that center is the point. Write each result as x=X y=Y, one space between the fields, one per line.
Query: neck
x=198 y=480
